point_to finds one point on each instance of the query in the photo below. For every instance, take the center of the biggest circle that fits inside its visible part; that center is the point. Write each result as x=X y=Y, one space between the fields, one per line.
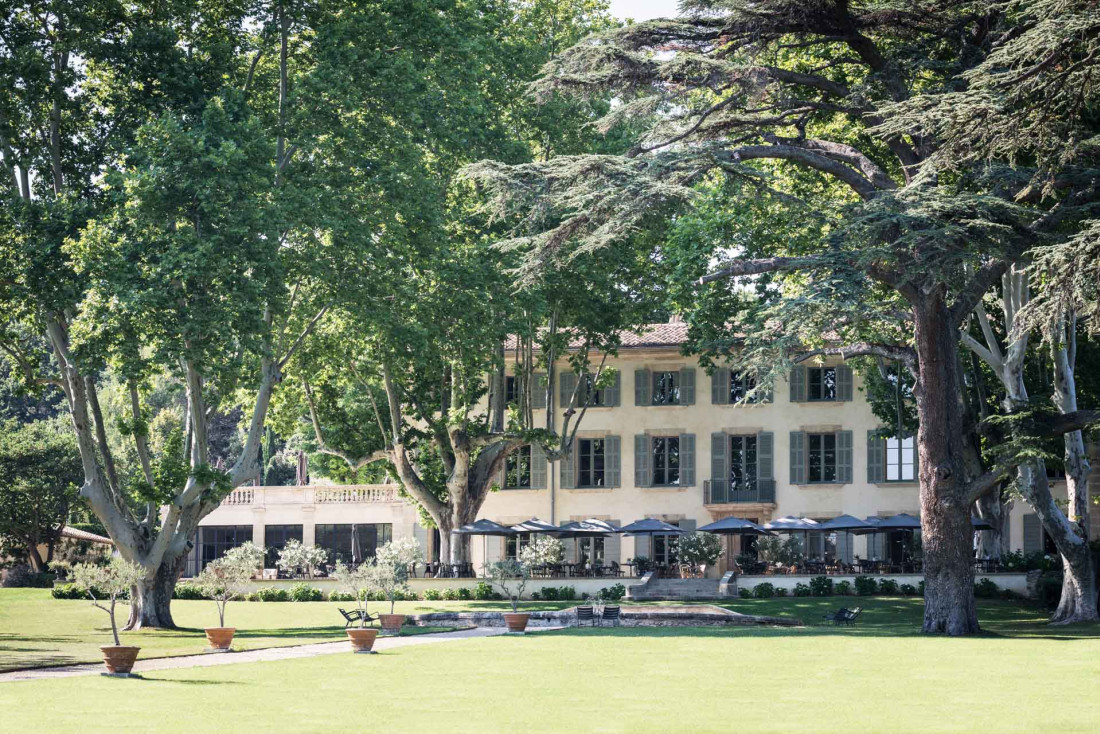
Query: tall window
x=822 y=383
x=666 y=461
x=901 y=460
x=742 y=462
x=822 y=457
x=513 y=544
x=511 y=397
x=666 y=388
x=664 y=549
x=590 y=550
x=740 y=386
x=214 y=541
x=590 y=462
x=517 y=469
x=353 y=543
x=597 y=397
x=275 y=538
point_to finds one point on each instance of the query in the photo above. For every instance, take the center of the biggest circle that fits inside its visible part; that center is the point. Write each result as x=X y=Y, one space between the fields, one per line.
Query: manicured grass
x=879 y=676
x=37 y=630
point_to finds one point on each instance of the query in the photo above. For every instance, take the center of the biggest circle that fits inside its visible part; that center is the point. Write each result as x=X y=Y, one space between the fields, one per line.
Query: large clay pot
x=220 y=638
x=391 y=623
x=119 y=659
x=362 y=638
x=516 y=621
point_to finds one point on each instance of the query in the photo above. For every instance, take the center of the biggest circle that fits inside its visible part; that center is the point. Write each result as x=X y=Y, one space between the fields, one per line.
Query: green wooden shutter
x=612 y=461
x=568 y=468
x=843 y=382
x=538 y=390
x=1033 y=534
x=687 y=386
x=643 y=387
x=765 y=455
x=844 y=457
x=538 y=467
x=641 y=460
x=612 y=392
x=641 y=546
x=568 y=382
x=798 y=457
x=844 y=547
x=798 y=384
x=687 y=524
x=720 y=386
x=719 y=457
x=687 y=459
x=876 y=458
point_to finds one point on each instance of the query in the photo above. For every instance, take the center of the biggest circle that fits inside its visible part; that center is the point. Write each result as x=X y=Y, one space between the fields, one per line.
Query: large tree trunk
x=947 y=534
x=35 y=558
x=154 y=598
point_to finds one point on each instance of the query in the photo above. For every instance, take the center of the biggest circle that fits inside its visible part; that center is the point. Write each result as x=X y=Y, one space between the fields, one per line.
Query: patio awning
x=791 y=524
x=535 y=525
x=485 y=527
x=735 y=526
x=847 y=523
x=651 y=526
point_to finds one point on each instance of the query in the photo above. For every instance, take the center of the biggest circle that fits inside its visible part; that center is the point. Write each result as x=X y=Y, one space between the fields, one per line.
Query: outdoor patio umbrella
x=847 y=523
x=586 y=529
x=901 y=521
x=535 y=525
x=980 y=523
x=791 y=524
x=485 y=528
x=735 y=526
x=651 y=526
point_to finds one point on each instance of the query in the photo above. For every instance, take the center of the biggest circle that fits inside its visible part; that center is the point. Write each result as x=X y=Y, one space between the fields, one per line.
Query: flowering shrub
x=700 y=549
x=542 y=550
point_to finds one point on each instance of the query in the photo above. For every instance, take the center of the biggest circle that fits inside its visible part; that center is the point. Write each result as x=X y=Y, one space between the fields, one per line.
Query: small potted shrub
x=107 y=585
x=359 y=583
x=391 y=574
x=223 y=580
x=511 y=578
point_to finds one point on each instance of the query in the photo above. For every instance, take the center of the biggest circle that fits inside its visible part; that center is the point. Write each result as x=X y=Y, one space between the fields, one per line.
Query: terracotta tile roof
x=77 y=534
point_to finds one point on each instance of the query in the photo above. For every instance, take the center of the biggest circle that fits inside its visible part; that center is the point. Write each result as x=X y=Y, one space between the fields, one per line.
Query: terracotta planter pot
x=516 y=621
x=391 y=623
x=220 y=638
x=362 y=639
x=119 y=660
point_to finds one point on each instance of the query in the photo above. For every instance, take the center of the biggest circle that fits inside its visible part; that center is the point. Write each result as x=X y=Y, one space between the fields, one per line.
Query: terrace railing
x=720 y=492
x=312 y=494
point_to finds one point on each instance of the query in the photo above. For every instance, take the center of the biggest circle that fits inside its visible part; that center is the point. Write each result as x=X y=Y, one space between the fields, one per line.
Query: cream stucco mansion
x=666 y=441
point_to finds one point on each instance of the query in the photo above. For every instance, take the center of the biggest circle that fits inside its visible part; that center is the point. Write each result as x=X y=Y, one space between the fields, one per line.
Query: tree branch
x=763 y=265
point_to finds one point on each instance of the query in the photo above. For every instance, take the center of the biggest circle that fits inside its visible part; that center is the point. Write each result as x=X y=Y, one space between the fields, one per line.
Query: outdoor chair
x=838 y=616
x=356 y=615
x=616 y=569
x=584 y=614
x=611 y=614
x=850 y=617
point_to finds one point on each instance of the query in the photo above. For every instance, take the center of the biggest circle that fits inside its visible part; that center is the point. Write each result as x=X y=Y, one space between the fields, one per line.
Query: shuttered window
x=666 y=461
x=538 y=390
x=666 y=388
x=901 y=459
x=742 y=462
x=821 y=383
x=517 y=469
x=821 y=457
x=590 y=462
x=1033 y=534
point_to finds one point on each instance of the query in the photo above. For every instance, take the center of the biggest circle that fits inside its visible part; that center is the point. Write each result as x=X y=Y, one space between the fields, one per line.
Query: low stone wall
x=630 y=616
x=1014 y=582
x=582 y=585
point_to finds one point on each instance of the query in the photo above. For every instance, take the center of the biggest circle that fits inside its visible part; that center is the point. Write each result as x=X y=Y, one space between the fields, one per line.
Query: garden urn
x=391 y=623
x=362 y=639
x=119 y=659
x=516 y=621
x=220 y=638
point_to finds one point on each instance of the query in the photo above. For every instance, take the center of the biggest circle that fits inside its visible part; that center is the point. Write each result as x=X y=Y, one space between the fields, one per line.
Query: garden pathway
x=382 y=644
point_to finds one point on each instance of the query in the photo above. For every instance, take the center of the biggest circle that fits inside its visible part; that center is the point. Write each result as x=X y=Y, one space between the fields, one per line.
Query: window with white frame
x=901 y=459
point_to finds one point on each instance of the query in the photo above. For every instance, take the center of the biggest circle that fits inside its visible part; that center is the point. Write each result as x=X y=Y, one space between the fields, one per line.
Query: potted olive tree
x=511 y=578
x=359 y=582
x=700 y=550
x=391 y=574
x=107 y=585
x=225 y=579
x=298 y=558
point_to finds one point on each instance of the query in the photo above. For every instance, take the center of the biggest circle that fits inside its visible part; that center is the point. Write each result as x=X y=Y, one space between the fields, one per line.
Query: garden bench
x=357 y=615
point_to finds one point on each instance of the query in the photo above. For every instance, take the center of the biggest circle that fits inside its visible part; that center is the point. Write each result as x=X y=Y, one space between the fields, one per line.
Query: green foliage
x=699 y=548
x=908 y=590
x=69 y=591
x=986 y=589
x=305 y=592
x=746 y=593
x=801 y=589
x=763 y=590
x=780 y=591
x=558 y=593
x=483 y=592
x=1049 y=589
x=341 y=596
x=642 y=564
x=271 y=593
x=432 y=594
x=821 y=586
x=615 y=592
x=888 y=587
x=844 y=588
x=188 y=591
x=866 y=585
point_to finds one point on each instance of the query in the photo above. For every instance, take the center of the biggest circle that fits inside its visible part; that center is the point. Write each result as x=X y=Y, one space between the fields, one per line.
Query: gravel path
x=382 y=644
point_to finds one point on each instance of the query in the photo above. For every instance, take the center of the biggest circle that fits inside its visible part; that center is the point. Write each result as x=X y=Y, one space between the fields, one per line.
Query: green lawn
x=879 y=676
x=38 y=630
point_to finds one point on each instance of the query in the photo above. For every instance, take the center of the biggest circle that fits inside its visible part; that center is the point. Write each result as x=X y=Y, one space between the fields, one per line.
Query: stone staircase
x=652 y=588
